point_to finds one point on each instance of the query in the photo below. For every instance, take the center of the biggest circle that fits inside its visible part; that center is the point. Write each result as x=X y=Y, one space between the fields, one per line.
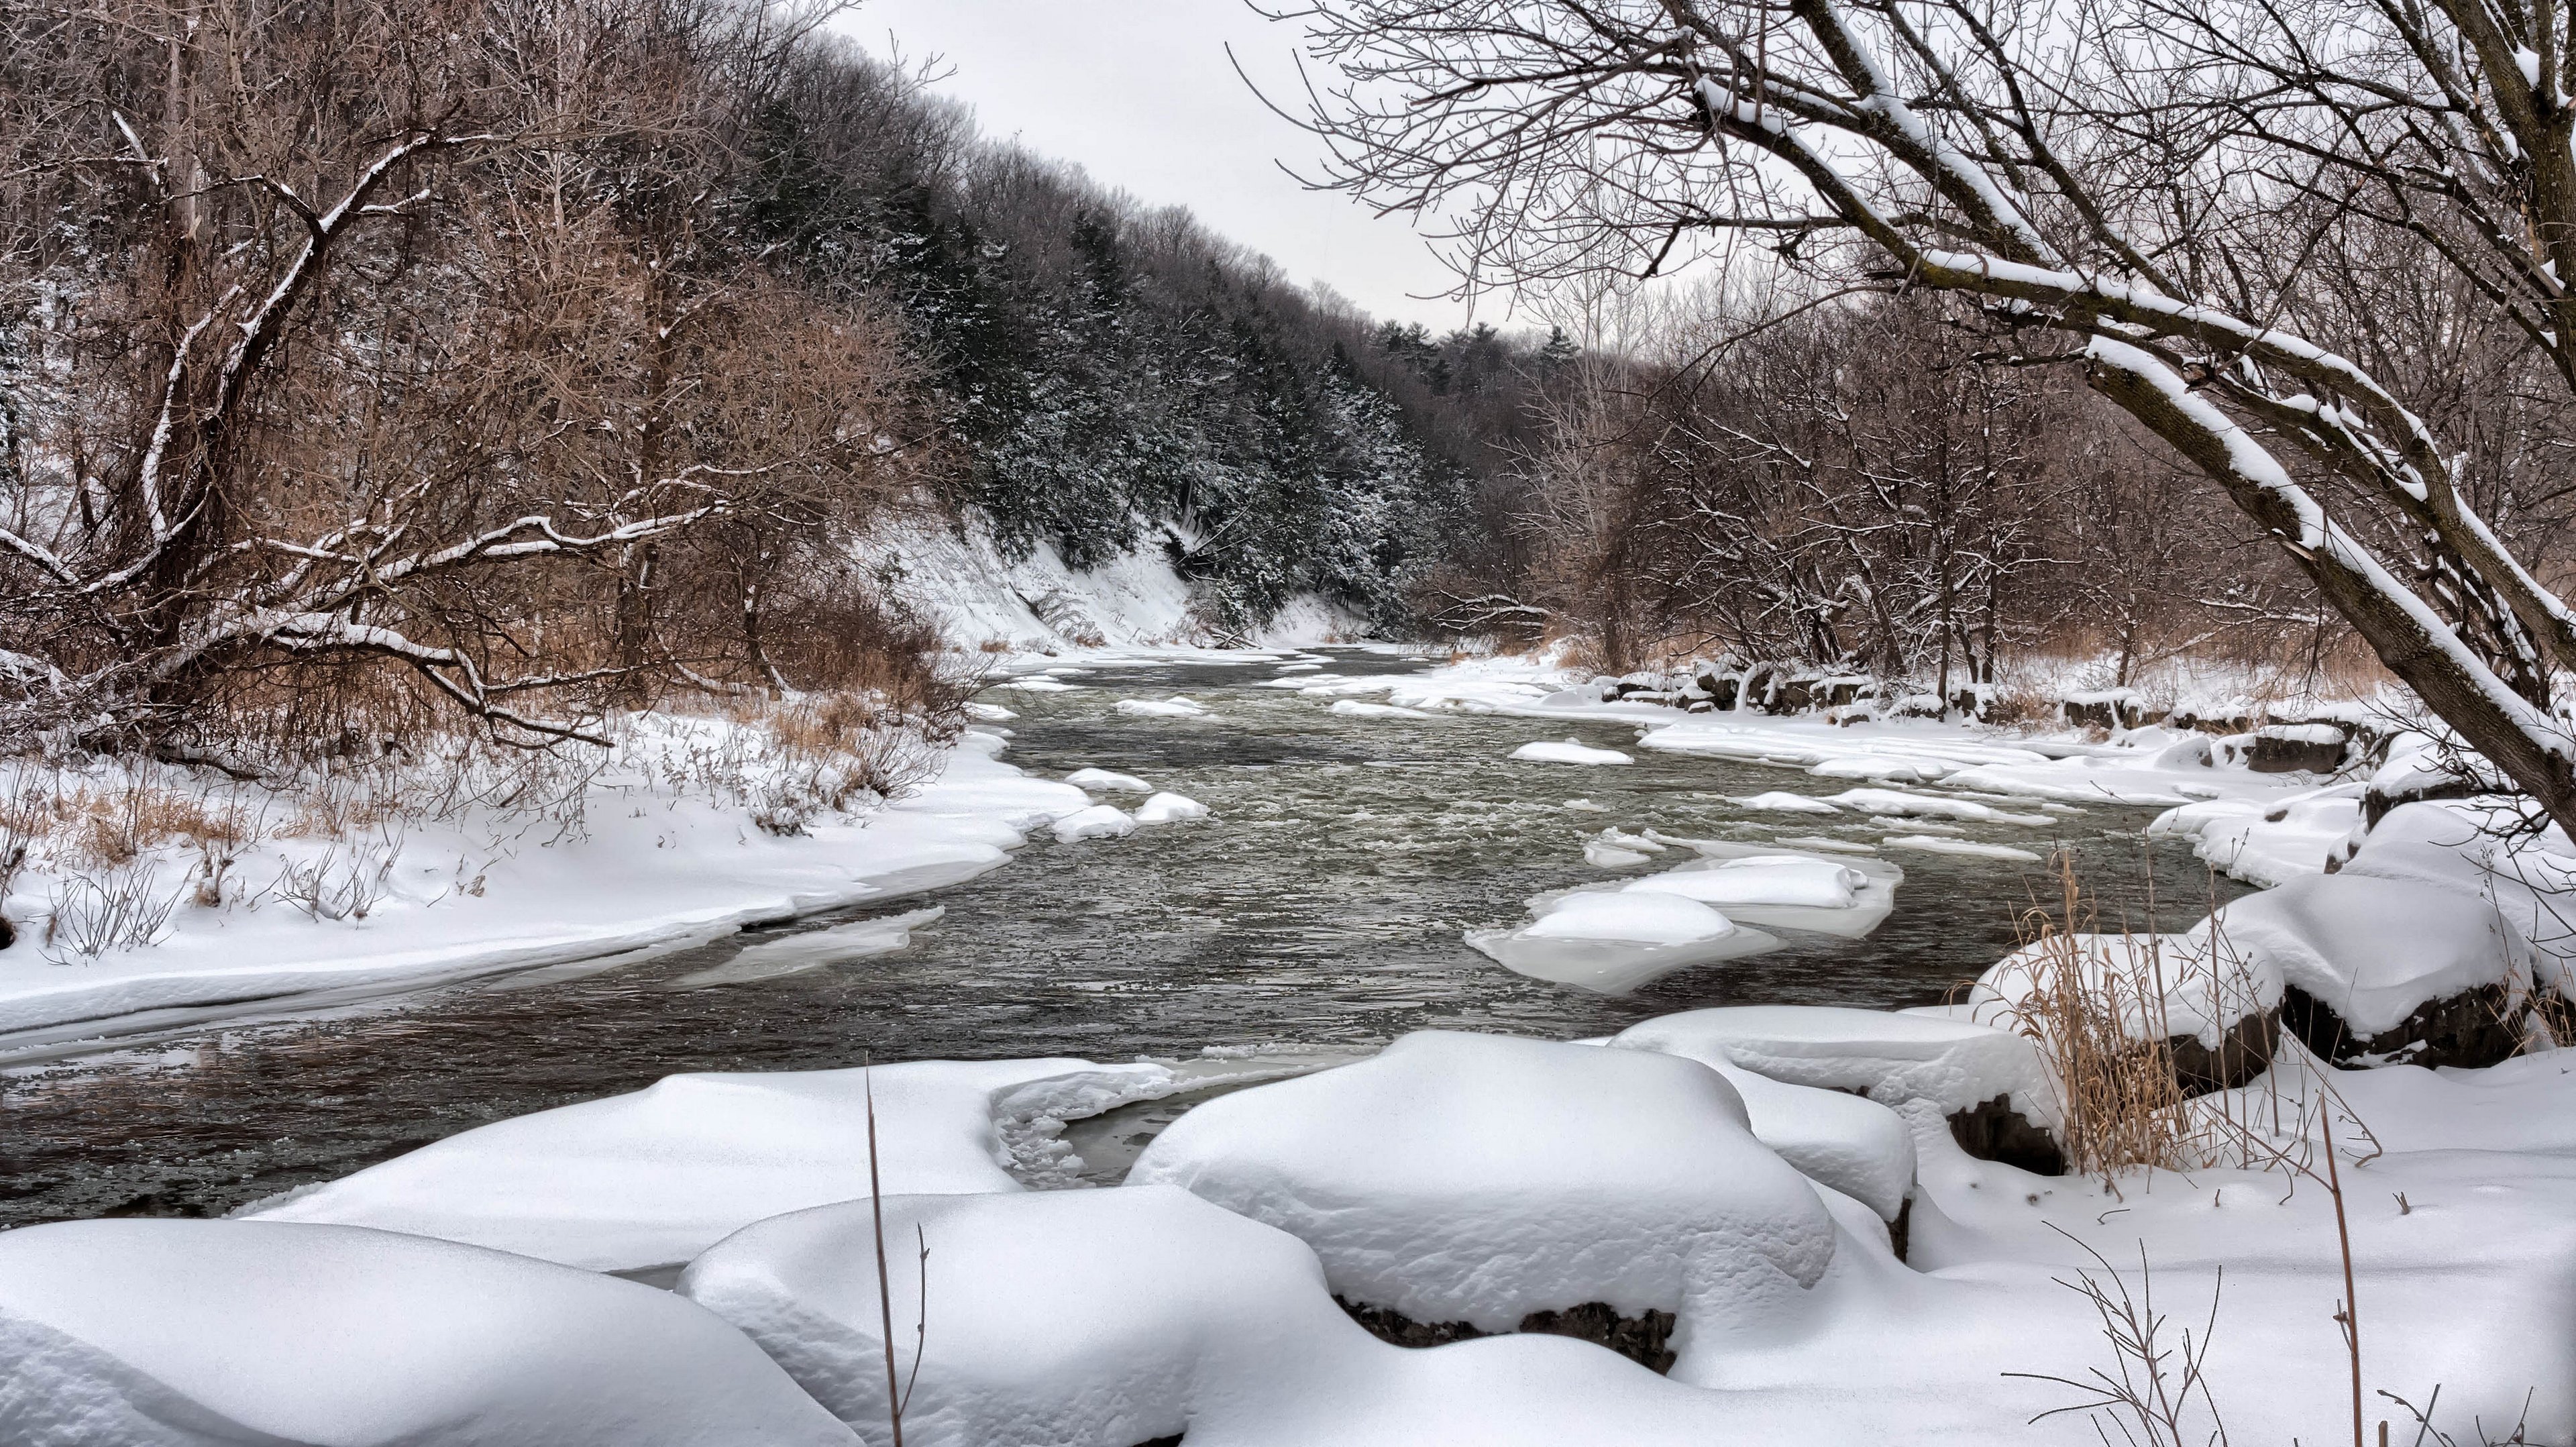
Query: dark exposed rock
x=2108 y=711
x=8 y=932
x=2475 y=1028
x=1641 y=1339
x=2244 y=1052
x=1836 y=692
x=2209 y=723
x=1900 y=1232
x=1994 y=1131
x=1720 y=688
x=2378 y=804
x=1789 y=695
x=1172 y=1441
x=2297 y=748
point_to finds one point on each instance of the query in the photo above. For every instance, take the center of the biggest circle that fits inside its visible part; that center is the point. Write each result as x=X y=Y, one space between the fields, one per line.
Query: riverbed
x=1319 y=910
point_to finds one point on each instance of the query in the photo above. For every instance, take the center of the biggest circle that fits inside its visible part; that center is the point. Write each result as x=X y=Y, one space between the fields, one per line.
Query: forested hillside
x=529 y=360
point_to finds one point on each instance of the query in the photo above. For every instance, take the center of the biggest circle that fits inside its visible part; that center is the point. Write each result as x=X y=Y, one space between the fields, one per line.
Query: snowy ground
x=1742 y=1170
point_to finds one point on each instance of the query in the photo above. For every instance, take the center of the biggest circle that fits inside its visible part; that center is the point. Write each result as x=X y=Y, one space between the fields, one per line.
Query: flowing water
x=1320 y=907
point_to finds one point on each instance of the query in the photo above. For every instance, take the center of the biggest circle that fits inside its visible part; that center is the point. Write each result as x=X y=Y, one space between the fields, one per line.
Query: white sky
x=1139 y=93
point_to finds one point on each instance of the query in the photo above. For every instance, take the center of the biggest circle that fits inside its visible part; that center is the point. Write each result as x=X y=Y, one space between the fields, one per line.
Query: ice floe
x=1567 y=751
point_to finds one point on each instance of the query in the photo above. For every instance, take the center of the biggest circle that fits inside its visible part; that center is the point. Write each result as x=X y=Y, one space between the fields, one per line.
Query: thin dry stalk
x=2149 y=1394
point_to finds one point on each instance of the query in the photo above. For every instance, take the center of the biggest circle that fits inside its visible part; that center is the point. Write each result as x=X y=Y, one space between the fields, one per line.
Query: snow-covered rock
x=2482 y=853
x=1614 y=942
x=1848 y=1142
x=1567 y=751
x=1785 y=803
x=1353 y=708
x=1109 y=781
x=1480 y=1178
x=1782 y=889
x=2217 y=1009
x=2269 y=841
x=1898 y=803
x=2385 y=968
x=1169 y=808
x=144 y=1333
x=655 y=1177
x=1100 y=821
x=1055 y=1318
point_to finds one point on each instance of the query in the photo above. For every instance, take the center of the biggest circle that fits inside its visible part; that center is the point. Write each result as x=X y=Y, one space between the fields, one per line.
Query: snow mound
x=1480 y=1178
x=1601 y=854
x=2373 y=950
x=1173 y=707
x=813 y=949
x=1881 y=768
x=1777 y=888
x=655 y=1177
x=240 y=1332
x=1614 y=942
x=2529 y=882
x=1353 y=708
x=1890 y=1058
x=1965 y=848
x=1099 y=1318
x=1567 y=751
x=1115 y=783
x=1100 y=821
x=1854 y=1145
x=1785 y=803
x=1167 y=808
x=2164 y=985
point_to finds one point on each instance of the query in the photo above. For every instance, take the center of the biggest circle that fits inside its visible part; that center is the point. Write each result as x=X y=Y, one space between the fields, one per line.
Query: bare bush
x=94 y=912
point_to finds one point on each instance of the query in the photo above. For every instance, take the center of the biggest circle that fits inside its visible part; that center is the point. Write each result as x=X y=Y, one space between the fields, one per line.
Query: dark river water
x=1321 y=906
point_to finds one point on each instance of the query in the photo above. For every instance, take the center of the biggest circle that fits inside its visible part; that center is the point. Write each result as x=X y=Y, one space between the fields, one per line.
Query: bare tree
x=2170 y=194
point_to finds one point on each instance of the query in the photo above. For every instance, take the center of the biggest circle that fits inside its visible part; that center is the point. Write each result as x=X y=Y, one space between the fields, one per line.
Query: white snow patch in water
x=813 y=949
x=1100 y=821
x=1965 y=848
x=1107 y=780
x=1168 y=808
x=1568 y=751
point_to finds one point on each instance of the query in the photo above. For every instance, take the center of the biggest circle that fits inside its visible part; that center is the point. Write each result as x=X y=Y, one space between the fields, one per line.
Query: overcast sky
x=1140 y=94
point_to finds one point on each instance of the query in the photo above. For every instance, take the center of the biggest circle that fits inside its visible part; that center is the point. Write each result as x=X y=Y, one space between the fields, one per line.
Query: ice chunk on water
x=1112 y=782
x=1100 y=821
x=814 y=949
x=1761 y=879
x=1902 y=804
x=1353 y=708
x=1569 y=751
x=1173 y=707
x=1617 y=941
x=1932 y=844
x=1170 y=808
x=1783 y=802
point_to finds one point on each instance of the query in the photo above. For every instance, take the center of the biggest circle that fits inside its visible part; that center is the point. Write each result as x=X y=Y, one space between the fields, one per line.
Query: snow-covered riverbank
x=1816 y=1222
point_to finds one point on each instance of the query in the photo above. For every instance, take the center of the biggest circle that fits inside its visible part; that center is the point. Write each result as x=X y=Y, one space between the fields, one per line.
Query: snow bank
x=652 y=869
x=1615 y=942
x=134 y=1332
x=2269 y=841
x=2460 y=847
x=1568 y=751
x=1480 y=1178
x=1106 y=780
x=1854 y=1145
x=1169 y=808
x=1099 y=1318
x=657 y=1176
x=1890 y=1058
x=1100 y=821
x=2374 y=950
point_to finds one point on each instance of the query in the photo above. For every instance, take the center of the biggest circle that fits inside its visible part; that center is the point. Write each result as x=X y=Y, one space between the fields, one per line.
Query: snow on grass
x=645 y=852
x=124 y=1333
x=657 y=1176
x=1567 y=751
x=1965 y=848
x=1479 y=1178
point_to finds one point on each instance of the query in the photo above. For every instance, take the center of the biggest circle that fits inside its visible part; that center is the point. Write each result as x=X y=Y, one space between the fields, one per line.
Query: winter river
x=1320 y=907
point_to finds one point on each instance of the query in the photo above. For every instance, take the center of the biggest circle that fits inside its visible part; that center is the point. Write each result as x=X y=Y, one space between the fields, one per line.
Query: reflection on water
x=1321 y=906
